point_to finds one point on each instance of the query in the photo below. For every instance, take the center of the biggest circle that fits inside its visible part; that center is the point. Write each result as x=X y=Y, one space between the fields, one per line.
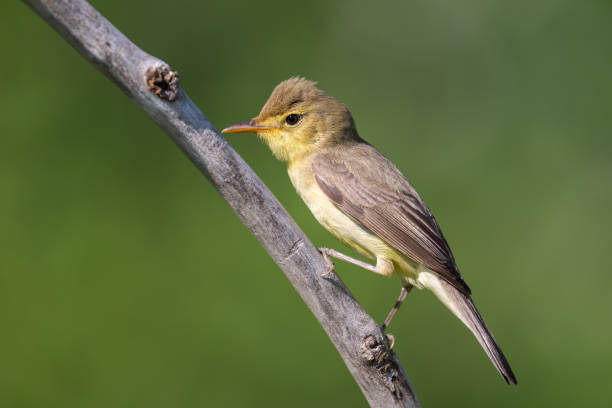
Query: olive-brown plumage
x=368 y=187
x=364 y=200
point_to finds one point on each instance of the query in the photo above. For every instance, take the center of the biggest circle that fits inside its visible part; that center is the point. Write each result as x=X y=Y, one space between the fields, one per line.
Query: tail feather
x=463 y=307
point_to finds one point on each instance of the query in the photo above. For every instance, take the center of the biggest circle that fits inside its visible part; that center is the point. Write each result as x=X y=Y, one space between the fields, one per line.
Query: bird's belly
x=345 y=228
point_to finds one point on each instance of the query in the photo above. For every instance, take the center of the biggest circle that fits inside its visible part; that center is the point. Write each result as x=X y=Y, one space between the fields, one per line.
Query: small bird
x=359 y=196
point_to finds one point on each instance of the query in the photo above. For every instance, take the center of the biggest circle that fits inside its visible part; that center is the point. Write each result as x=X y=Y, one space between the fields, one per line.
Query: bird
x=364 y=200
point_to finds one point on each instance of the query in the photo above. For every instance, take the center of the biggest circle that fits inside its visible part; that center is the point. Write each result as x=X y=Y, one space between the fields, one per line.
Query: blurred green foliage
x=125 y=280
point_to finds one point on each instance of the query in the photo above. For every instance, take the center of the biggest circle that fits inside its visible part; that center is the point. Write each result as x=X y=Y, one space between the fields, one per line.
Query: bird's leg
x=405 y=290
x=383 y=266
x=391 y=338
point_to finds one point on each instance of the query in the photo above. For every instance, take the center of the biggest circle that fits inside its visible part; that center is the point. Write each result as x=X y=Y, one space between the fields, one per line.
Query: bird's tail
x=463 y=307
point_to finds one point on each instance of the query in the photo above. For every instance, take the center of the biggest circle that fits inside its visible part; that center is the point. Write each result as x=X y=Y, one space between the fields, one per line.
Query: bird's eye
x=292 y=119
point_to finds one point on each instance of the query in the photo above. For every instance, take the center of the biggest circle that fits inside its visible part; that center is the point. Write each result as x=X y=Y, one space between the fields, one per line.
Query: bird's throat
x=286 y=151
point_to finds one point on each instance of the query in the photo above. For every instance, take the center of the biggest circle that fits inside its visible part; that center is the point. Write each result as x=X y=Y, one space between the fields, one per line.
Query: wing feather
x=369 y=188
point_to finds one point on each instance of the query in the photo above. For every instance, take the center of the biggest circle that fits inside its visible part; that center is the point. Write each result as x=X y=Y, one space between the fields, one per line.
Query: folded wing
x=369 y=188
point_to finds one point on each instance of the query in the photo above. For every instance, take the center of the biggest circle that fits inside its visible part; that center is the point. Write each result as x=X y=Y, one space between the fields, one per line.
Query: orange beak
x=245 y=127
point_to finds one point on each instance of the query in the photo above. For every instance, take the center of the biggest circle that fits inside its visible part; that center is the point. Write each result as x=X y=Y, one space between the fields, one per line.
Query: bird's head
x=299 y=119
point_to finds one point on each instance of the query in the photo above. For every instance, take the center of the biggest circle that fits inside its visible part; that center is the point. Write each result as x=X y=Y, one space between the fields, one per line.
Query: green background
x=126 y=280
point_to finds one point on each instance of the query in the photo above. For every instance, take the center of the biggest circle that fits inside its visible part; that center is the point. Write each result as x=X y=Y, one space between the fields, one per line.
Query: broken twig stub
x=163 y=82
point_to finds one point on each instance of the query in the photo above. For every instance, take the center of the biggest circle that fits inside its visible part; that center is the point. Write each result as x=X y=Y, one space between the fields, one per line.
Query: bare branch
x=153 y=86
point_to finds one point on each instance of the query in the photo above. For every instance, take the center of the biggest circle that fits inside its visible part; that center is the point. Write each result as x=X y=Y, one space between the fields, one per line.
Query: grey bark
x=153 y=86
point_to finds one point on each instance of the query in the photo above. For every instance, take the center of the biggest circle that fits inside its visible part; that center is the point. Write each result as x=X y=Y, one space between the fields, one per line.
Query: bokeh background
x=126 y=280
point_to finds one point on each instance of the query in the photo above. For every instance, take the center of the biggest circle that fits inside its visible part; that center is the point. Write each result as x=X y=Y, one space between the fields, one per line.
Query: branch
x=153 y=86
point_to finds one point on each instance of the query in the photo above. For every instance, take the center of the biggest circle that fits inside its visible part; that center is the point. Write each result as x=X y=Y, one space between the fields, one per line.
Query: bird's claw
x=389 y=336
x=328 y=262
x=391 y=340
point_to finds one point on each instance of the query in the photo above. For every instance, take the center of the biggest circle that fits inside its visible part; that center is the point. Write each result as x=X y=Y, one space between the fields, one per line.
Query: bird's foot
x=390 y=340
x=328 y=262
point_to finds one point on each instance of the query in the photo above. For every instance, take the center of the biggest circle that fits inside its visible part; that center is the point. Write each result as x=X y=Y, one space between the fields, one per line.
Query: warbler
x=359 y=196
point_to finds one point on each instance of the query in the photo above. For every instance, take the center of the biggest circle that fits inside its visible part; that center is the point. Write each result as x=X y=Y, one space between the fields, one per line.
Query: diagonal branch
x=153 y=86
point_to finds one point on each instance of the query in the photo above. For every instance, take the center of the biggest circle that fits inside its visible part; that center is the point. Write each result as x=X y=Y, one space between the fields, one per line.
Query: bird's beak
x=245 y=127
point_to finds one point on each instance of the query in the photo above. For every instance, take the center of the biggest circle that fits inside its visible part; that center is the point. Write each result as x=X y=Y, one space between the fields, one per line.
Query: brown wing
x=369 y=188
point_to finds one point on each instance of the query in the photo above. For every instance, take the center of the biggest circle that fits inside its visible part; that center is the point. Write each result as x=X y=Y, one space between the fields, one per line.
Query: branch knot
x=163 y=82
x=377 y=353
